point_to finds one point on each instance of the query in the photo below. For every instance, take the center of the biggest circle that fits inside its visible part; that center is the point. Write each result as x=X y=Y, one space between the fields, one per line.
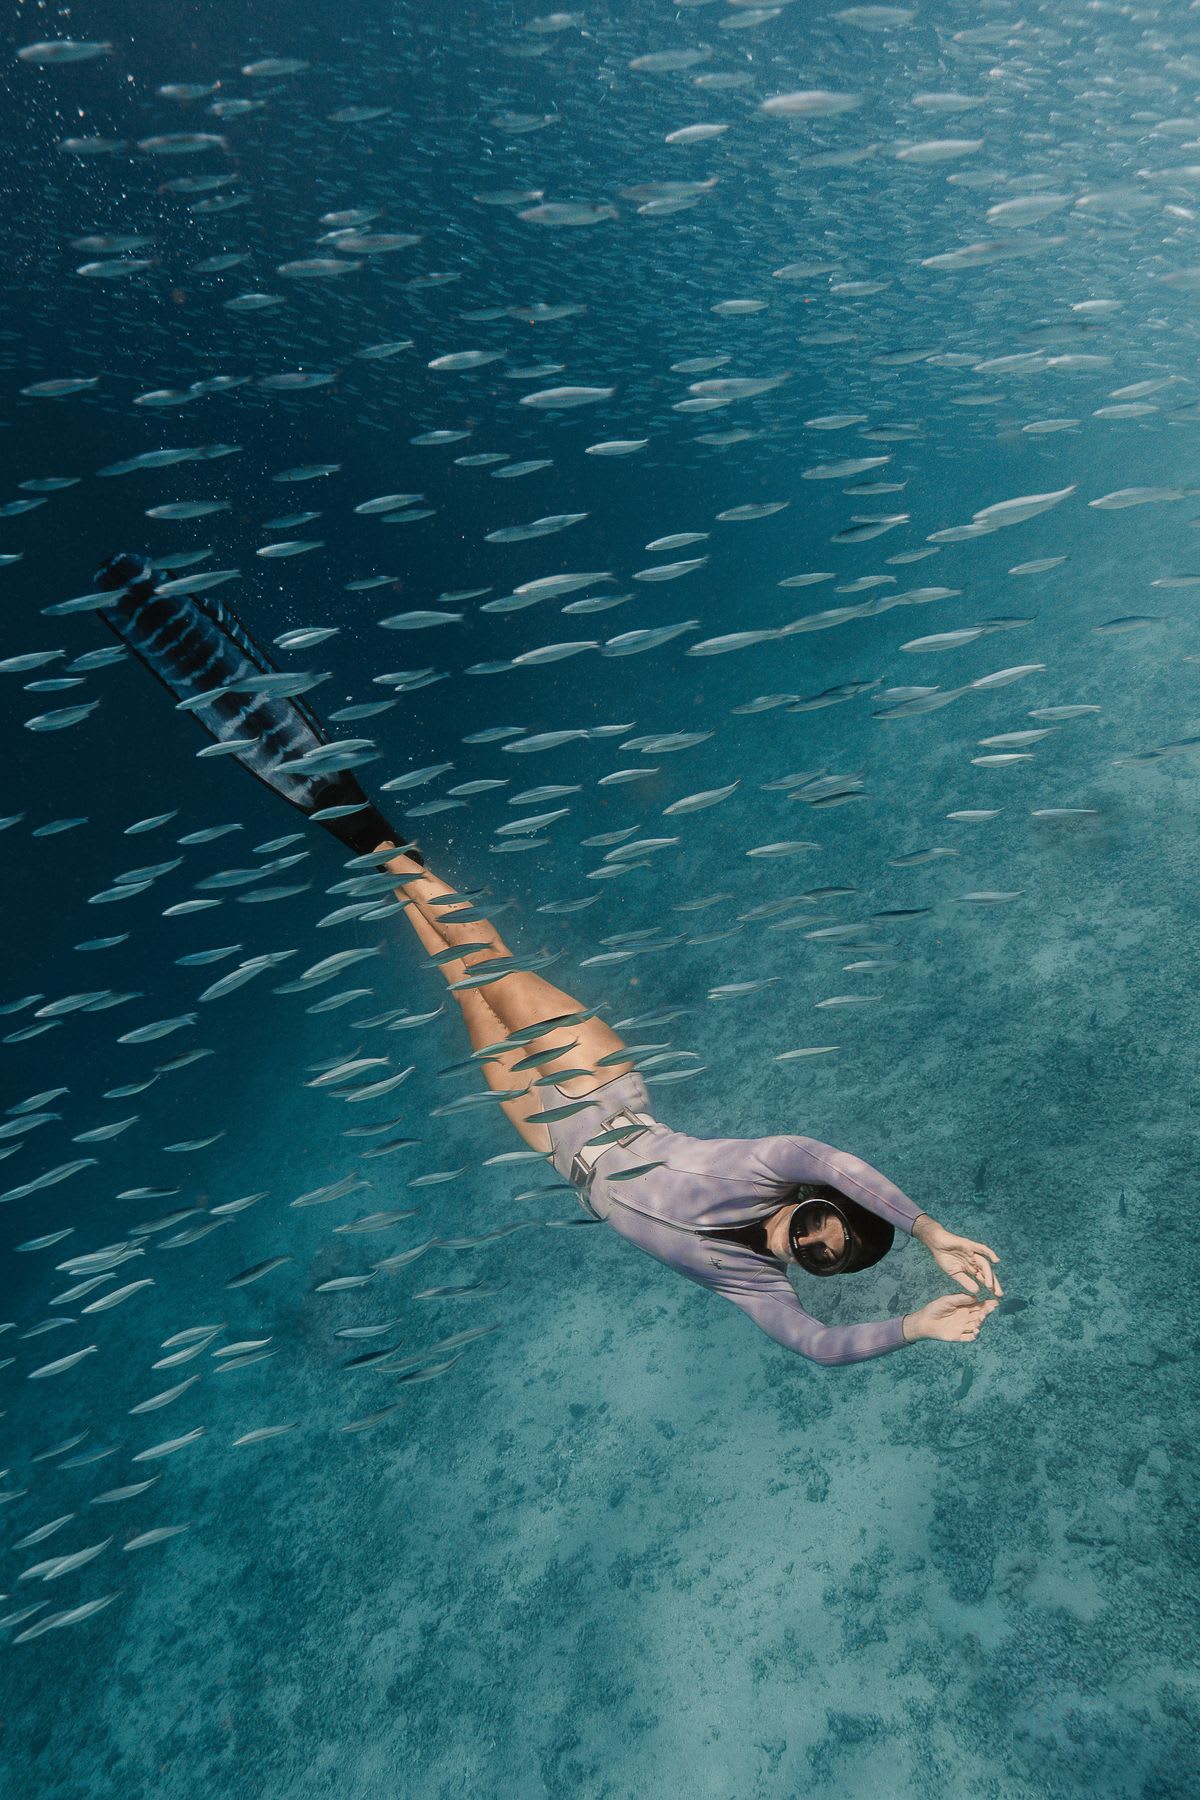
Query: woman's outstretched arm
x=773 y=1305
x=788 y=1160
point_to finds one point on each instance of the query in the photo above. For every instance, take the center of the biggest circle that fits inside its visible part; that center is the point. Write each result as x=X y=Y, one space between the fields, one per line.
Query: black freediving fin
x=197 y=646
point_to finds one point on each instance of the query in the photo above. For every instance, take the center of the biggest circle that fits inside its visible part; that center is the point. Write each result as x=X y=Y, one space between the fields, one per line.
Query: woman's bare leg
x=484 y=1030
x=518 y=1000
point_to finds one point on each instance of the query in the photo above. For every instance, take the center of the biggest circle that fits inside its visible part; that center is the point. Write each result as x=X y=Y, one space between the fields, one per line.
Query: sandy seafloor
x=627 y=1546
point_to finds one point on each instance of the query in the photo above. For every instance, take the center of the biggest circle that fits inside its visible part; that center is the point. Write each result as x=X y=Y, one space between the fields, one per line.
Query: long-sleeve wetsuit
x=702 y=1184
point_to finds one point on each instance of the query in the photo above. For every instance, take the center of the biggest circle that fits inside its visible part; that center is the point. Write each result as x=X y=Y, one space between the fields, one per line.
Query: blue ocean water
x=620 y=1544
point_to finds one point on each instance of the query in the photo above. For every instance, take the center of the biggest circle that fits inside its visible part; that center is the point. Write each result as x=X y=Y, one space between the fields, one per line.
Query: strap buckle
x=583 y=1163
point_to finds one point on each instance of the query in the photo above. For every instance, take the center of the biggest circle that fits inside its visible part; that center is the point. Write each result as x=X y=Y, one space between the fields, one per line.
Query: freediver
x=730 y=1213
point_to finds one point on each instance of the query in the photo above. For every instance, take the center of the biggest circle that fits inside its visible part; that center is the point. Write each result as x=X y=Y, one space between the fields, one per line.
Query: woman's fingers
x=988 y=1277
x=981 y=1313
x=976 y=1273
x=976 y=1270
x=963 y=1316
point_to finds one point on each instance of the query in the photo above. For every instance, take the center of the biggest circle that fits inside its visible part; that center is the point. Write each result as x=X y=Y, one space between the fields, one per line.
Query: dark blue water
x=622 y=1544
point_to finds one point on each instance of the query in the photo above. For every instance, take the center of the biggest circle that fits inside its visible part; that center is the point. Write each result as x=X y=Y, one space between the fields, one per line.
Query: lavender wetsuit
x=707 y=1183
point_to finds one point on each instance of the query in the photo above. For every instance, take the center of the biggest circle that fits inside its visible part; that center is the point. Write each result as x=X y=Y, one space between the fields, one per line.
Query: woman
x=730 y=1213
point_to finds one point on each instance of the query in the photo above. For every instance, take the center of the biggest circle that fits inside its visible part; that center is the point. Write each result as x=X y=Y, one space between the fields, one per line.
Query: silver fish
x=169 y=1446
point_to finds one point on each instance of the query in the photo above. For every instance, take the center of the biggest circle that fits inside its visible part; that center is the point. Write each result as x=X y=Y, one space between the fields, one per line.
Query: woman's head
x=830 y=1234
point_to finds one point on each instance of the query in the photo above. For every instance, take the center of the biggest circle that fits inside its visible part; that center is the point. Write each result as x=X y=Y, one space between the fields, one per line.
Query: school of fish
x=707 y=239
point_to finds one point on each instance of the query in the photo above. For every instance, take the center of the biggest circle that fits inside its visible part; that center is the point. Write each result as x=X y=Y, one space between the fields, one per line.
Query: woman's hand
x=965 y=1261
x=955 y=1319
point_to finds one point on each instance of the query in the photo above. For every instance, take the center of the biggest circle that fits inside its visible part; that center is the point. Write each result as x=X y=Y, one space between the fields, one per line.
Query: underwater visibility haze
x=726 y=479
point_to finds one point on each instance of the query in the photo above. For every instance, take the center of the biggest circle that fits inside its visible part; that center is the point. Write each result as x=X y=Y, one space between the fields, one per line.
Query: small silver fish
x=257 y=1271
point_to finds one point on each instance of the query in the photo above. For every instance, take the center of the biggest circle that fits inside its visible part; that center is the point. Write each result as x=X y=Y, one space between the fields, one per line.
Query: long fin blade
x=197 y=646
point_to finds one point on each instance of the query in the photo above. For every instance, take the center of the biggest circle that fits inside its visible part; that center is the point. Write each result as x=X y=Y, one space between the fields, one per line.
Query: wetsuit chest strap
x=588 y=1155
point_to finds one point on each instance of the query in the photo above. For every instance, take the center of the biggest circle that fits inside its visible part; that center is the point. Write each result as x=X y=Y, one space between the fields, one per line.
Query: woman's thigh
x=593 y=1040
x=524 y=999
x=568 y=1055
x=582 y=1049
x=485 y=1029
